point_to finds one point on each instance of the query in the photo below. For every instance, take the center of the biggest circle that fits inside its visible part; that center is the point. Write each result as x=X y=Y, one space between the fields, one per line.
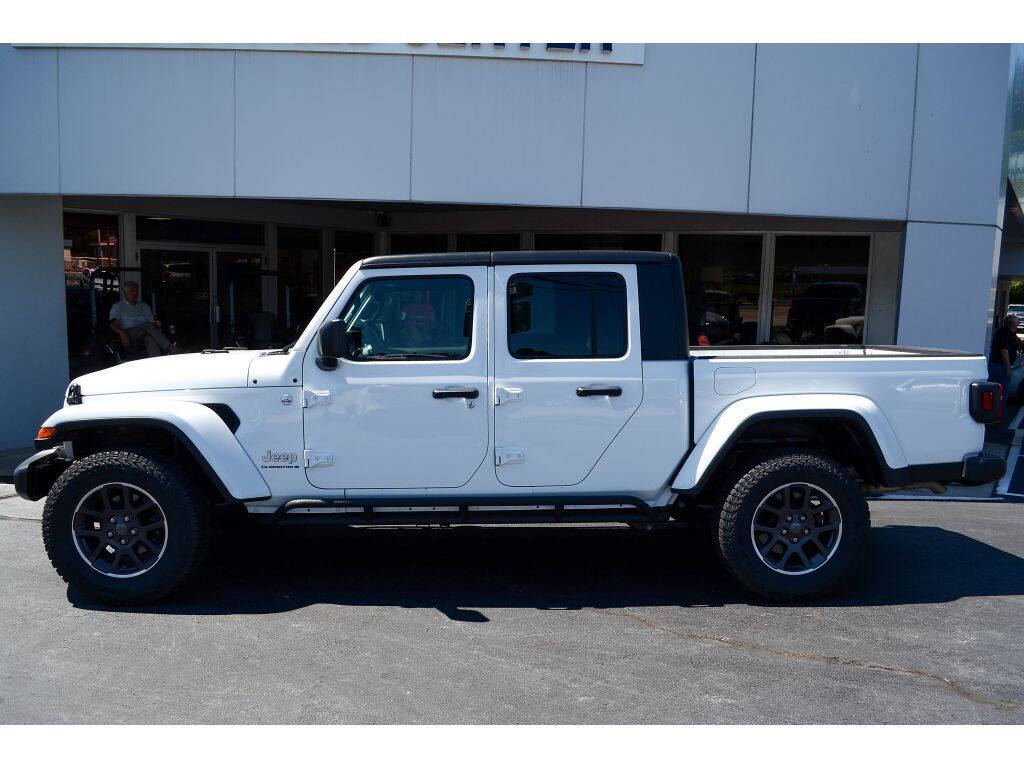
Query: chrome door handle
x=596 y=390
x=470 y=393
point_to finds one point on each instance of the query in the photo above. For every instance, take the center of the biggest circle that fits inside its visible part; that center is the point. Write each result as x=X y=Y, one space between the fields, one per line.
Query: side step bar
x=367 y=511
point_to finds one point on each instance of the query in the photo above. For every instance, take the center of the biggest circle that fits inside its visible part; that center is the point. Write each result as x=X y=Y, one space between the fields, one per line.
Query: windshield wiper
x=282 y=351
x=425 y=356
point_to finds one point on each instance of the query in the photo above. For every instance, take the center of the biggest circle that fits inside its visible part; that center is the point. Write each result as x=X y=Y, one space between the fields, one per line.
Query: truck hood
x=195 y=371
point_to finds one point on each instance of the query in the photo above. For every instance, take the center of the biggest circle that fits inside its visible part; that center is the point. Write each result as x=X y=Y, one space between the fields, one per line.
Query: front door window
x=411 y=318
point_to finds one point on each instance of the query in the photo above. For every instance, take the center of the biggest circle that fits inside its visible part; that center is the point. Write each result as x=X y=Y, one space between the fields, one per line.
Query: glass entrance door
x=213 y=298
x=176 y=285
x=240 y=317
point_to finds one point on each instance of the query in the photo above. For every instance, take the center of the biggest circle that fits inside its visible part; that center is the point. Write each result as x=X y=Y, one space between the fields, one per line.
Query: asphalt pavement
x=527 y=625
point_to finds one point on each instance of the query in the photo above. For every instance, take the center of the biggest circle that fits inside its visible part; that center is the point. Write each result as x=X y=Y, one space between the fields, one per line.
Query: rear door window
x=567 y=315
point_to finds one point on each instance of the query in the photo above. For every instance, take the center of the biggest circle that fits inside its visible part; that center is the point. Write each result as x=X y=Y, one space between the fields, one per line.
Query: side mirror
x=332 y=345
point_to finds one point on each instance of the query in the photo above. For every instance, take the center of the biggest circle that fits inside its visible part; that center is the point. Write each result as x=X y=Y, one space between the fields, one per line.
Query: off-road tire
x=743 y=494
x=167 y=482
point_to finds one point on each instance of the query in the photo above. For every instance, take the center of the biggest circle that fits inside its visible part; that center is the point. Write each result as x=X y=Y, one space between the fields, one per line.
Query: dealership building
x=815 y=194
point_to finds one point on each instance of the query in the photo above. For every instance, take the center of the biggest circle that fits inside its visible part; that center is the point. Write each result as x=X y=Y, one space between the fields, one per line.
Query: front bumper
x=35 y=475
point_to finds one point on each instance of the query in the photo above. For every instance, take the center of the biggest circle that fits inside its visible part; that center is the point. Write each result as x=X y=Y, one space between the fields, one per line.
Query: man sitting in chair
x=132 y=320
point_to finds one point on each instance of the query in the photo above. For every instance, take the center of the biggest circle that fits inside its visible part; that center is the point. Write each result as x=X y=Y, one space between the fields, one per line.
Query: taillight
x=986 y=402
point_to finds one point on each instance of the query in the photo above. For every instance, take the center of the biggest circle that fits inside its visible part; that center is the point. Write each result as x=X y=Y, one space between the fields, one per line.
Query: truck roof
x=495 y=258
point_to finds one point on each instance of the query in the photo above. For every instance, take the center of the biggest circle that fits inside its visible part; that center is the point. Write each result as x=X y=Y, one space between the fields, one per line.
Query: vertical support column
x=883 y=289
x=129 y=260
x=670 y=242
x=453 y=242
x=327 y=261
x=32 y=294
x=382 y=243
x=948 y=286
x=765 y=315
x=270 y=263
x=526 y=242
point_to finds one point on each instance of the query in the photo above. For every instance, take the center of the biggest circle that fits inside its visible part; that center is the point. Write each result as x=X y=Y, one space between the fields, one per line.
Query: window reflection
x=723 y=283
x=819 y=289
x=589 y=241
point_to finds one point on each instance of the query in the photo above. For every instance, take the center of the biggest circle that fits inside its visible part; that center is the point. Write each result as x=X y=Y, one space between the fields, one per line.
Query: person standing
x=1002 y=356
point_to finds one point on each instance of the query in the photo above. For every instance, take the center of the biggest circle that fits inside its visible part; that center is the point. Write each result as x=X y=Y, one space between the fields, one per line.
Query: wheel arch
x=195 y=433
x=852 y=429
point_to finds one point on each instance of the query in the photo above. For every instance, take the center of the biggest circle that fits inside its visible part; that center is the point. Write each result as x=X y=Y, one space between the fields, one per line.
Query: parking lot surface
x=528 y=625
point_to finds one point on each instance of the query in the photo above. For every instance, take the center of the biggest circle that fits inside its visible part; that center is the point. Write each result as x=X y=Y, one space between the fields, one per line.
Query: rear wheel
x=792 y=526
x=125 y=526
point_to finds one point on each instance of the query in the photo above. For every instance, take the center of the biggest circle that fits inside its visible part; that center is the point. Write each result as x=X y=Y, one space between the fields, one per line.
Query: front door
x=407 y=406
x=567 y=368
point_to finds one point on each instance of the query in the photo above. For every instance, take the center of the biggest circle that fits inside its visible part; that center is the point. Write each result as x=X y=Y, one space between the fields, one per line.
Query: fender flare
x=727 y=427
x=199 y=428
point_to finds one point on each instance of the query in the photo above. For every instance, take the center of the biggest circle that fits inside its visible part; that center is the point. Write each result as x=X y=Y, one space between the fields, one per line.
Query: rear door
x=407 y=407
x=567 y=368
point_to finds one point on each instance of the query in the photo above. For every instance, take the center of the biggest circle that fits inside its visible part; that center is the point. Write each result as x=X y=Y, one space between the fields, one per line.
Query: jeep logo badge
x=274 y=460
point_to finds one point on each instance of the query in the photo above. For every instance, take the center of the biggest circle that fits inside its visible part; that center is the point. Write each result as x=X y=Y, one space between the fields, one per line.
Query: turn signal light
x=45 y=433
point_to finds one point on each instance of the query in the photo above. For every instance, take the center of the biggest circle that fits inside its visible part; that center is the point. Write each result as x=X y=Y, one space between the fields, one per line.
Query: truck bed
x=762 y=351
x=920 y=394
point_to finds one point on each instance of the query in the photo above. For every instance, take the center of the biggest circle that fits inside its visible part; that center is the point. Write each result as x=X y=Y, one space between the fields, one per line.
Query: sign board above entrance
x=597 y=53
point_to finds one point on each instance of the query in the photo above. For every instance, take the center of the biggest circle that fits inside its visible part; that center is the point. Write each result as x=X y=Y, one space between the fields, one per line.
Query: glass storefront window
x=429 y=243
x=241 y=319
x=299 y=278
x=819 y=289
x=176 y=285
x=723 y=284
x=166 y=230
x=487 y=242
x=612 y=241
x=350 y=247
x=91 y=279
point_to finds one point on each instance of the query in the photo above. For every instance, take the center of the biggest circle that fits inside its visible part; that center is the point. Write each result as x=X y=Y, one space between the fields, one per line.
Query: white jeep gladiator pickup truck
x=504 y=388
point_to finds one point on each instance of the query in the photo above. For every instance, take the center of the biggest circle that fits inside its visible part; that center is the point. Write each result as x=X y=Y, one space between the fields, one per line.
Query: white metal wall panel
x=35 y=347
x=832 y=130
x=147 y=122
x=674 y=133
x=957 y=173
x=323 y=125
x=28 y=121
x=949 y=276
x=489 y=131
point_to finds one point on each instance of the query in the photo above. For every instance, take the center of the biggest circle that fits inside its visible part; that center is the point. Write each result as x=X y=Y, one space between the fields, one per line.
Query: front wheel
x=792 y=526
x=125 y=527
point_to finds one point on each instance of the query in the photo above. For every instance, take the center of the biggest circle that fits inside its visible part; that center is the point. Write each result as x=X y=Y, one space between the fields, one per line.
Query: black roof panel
x=495 y=258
